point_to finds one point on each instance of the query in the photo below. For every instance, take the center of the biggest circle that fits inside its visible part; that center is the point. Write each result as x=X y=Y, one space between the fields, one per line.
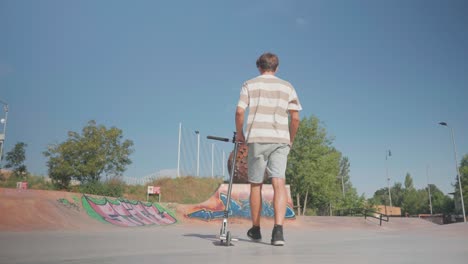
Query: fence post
x=178 y=150
x=198 y=152
x=223 y=164
x=212 y=160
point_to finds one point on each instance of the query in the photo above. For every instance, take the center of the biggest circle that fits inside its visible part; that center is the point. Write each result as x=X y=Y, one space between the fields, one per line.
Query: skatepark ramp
x=24 y=210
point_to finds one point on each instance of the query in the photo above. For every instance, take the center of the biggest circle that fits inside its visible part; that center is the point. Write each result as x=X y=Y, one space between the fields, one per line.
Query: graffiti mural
x=126 y=213
x=239 y=207
x=68 y=204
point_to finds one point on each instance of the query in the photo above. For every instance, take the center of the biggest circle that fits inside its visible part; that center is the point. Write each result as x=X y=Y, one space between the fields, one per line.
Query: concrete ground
x=308 y=240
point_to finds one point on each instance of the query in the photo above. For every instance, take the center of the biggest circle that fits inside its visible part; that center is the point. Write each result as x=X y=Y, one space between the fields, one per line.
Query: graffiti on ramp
x=126 y=213
x=239 y=205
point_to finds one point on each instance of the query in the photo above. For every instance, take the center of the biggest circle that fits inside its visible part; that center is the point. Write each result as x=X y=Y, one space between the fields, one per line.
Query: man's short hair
x=268 y=62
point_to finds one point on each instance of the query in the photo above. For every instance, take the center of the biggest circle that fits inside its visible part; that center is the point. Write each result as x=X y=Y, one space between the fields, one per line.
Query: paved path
x=311 y=241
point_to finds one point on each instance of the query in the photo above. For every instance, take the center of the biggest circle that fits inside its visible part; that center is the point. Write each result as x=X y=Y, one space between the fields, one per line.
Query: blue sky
x=378 y=74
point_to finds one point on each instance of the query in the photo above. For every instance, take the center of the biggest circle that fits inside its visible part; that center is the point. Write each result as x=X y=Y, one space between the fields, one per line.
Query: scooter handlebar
x=218 y=138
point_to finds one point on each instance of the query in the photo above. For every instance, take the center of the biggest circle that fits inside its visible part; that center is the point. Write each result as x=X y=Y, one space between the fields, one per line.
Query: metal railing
x=363 y=212
x=373 y=213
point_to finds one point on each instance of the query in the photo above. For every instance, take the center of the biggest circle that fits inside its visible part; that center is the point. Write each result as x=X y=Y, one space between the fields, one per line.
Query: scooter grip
x=218 y=138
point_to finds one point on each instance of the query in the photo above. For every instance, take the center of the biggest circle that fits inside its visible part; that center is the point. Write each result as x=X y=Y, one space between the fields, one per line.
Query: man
x=270 y=136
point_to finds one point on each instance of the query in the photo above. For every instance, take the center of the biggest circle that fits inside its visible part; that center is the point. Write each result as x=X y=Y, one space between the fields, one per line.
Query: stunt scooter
x=224 y=235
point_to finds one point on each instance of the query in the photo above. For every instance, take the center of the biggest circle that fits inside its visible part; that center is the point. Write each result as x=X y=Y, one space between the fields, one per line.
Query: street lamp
x=388 y=153
x=429 y=188
x=458 y=172
x=3 y=121
x=198 y=152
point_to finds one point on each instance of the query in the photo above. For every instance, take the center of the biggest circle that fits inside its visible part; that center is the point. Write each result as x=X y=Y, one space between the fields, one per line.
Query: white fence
x=200 y=157
x=197 y=156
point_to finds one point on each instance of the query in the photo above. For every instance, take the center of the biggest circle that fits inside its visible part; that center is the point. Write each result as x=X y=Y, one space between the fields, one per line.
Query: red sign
x=154 y=190
x=22 y=185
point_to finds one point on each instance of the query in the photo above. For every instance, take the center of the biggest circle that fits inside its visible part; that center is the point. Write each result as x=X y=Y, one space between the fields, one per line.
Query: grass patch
x=185 y=190
x=8 y=180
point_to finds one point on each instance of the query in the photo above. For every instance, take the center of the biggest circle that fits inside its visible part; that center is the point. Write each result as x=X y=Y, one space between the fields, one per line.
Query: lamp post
x=178 y=150
x=429 y=188
x=198 y=152
x=224 y=162
x=212 y=160
x=458 y=172
x=388 y=153
x=3 y=121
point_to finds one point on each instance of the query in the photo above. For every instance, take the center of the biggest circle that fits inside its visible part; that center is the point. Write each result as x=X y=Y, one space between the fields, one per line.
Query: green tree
x=86 y=157
x=350 y=198
x=15 y=160
x=343 y=176
x=397 y=192
x=313 y=167
x=441 y=204
x=380 y=197
x=463 y=168
x=414 y=201
x=408 y=182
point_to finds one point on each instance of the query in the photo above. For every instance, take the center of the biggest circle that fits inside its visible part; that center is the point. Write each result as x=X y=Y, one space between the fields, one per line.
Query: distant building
x=389 y=210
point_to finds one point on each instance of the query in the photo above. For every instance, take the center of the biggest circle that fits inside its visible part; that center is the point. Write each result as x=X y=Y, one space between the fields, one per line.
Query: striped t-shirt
x=269 y=99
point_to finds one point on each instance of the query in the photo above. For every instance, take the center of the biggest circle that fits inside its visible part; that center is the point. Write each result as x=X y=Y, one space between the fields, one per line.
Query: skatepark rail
x=363 y=212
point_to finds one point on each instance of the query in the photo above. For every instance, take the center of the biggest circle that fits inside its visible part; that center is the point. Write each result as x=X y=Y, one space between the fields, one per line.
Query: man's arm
x=240 y=124
x=293 y=124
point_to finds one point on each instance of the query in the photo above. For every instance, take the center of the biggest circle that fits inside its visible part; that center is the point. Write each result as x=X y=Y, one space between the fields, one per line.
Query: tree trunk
x=298 y=203
x=305 y=203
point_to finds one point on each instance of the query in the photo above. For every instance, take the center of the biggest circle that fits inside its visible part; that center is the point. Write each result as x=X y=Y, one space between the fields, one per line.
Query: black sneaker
x=254 y=233
x=277 y=238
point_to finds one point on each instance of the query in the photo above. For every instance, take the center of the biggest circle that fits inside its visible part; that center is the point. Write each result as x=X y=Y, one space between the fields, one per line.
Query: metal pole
x=178 y=150
x=212 y=160
x=459 y=179
x=388 y=154
x=429 y=188
x=458 y=171
x=198 y=152
x=342 y=185
x=5 y=108
x=224 y=162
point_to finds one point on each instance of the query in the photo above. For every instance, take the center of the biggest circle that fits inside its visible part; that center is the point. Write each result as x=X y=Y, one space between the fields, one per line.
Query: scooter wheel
x=228 y=239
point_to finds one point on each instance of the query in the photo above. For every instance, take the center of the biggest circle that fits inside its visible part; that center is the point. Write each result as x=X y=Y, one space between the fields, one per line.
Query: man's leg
x=256 y=164
x=277 y=168
x=255 y=211
x=279 y=204
x=279 y=199
x=255 y=202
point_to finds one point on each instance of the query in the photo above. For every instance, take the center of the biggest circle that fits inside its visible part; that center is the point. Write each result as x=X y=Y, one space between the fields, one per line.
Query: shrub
x=113 y=188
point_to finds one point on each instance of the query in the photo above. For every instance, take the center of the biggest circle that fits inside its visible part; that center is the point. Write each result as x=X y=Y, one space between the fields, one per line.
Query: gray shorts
x=269 y=157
